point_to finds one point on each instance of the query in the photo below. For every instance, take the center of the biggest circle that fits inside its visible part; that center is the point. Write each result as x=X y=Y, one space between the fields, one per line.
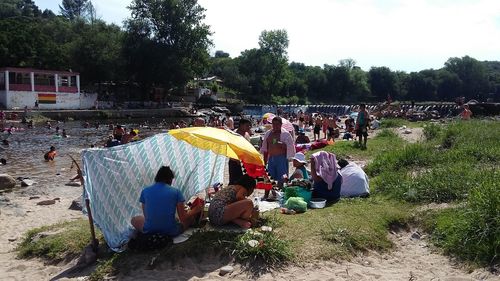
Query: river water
x=26 y=149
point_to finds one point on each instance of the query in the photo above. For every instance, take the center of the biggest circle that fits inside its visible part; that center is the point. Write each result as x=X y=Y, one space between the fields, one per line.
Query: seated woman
x=299 y=162
x=230 y=204
x=160 y=201
x=355 y=182
x=327 y=180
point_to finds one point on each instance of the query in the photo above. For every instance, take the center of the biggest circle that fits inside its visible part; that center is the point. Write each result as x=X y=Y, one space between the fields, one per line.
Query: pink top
x=326 y=166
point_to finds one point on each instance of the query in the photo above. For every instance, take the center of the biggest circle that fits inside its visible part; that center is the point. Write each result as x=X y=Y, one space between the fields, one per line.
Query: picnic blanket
x=114 y=178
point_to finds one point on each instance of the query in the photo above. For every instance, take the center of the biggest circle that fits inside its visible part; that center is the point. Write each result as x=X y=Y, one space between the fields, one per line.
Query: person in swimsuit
x=466 y=113
x=277 y=147
x=49 y=156
x=231 y=205
x=317 y=127
x=325 y=126
x=332 y=127
x=362 y=125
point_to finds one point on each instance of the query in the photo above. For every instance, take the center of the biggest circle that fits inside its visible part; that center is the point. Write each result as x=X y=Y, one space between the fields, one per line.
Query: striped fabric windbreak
x=47 y=98
x=114 y=178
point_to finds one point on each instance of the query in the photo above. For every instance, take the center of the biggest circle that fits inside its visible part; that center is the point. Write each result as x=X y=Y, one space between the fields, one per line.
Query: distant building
x=20 y=87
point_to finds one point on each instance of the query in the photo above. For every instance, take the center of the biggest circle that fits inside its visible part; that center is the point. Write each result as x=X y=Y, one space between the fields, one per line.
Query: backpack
x=149 y=241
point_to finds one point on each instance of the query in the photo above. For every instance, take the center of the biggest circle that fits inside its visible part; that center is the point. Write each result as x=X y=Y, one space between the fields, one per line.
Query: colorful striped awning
x=47 y=98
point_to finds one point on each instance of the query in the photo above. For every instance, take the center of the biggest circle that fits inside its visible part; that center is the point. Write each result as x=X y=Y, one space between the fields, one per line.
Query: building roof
x=209 y=79
x=44 y=71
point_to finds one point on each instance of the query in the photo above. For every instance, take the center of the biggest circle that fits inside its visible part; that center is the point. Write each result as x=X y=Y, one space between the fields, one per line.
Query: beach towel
x=326 y=166
x=114 y=178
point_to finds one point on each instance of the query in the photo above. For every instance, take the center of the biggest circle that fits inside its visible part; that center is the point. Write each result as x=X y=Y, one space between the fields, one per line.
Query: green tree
x=345 y=82
x=96 y=53
x=473 y=75
x=422 y=85
x=449 y=85
x=166 y=42
x=382 y=82
x=16 y=8
x=273 y=46
x=74 y=9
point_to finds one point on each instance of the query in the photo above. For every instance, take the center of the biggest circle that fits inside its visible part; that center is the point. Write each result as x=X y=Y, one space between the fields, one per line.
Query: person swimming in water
x=49 y=156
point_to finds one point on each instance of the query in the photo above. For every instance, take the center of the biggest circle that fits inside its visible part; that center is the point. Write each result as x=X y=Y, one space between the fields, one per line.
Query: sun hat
x=300 y=157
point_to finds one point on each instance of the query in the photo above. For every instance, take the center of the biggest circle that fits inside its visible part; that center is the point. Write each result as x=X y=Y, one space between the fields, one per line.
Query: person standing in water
x=49 y=156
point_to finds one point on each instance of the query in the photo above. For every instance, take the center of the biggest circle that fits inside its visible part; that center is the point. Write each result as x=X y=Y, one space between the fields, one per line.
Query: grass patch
x=385 y=141
x=58 y=242
x=432 y=131
x=339 y=231
x=399 y=122
x=445 y=168
x=470 y=232
x=456 y=163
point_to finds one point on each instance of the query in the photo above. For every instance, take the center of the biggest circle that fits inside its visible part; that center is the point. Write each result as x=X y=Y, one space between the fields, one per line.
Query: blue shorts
x=277 y=166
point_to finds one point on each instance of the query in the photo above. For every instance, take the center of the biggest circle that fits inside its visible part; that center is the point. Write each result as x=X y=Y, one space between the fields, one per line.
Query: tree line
x=165 y=44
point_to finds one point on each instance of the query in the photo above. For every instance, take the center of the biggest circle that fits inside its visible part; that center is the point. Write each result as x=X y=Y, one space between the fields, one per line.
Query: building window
x=44 y=79
x=2 y=81
x=73 y=81
x=19 y=78
x=62 y=81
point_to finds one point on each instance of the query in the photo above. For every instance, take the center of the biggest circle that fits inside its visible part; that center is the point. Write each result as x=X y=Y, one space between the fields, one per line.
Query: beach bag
x=149 y=241
x=297 y=204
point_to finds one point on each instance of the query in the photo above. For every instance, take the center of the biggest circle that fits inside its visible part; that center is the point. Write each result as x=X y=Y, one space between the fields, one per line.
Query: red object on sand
x=263 y=185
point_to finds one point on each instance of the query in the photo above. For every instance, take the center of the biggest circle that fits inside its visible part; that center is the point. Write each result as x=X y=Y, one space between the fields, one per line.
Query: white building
x=21 y=87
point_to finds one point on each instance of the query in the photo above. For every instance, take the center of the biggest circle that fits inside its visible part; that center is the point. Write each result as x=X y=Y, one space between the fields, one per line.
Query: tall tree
x=382 y=82
x=74 y=9
x=473 y=75
x=166 y=42
x=273 y=46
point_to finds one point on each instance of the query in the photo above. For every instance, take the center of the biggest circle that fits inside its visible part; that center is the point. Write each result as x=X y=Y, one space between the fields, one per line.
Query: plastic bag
x=297 y=204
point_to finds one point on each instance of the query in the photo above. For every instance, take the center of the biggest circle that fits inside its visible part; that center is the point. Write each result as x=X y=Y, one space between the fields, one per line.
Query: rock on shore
x=7 y=182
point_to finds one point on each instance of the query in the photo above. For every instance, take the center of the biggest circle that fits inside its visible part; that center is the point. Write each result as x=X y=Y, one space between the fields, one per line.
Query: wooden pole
x=94 y=241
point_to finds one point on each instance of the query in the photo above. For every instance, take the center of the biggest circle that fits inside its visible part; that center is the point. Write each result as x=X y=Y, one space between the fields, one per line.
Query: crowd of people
x=232 y=204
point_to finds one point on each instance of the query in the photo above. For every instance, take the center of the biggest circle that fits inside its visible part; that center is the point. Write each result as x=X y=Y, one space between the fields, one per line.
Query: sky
x=409 y=35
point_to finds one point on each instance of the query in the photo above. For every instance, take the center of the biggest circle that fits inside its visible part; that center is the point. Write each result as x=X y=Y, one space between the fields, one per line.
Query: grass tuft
x=58 y=242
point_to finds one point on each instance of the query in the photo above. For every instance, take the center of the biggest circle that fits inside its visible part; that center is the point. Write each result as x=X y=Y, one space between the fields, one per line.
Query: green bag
x=298 y=191
x=297 y=204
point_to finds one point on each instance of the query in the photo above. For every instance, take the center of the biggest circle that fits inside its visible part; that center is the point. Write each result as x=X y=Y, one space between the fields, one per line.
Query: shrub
x=262 y=245
x=432 y=131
